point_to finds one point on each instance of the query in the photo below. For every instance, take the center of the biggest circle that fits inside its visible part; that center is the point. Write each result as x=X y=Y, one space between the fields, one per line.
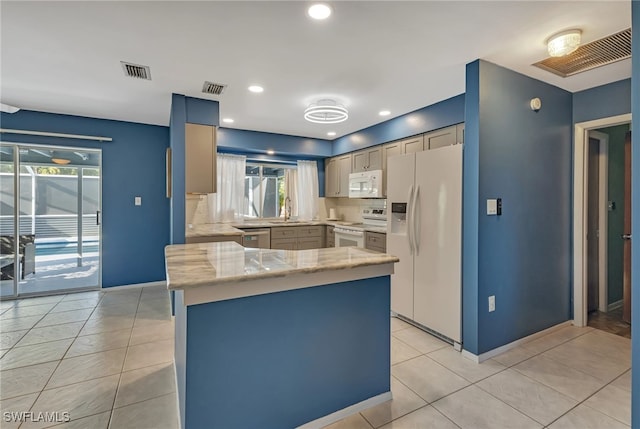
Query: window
x=265 y=190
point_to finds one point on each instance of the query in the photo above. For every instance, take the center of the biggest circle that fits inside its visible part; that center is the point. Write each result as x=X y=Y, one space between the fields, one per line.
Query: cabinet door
x=413 y=144
x=388 y=150
x=284 y=243
x=375 y=158
x=330 y=236
x=331 y=181
x=375 y=241
x=200 y=159
x=440 y=138
x=460 y=133
x=344 y=167
x=360 y=161
x=309 y=243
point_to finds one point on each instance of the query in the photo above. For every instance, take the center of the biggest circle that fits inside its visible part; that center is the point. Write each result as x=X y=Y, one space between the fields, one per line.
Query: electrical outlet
x=492 y=303
x=137 y=201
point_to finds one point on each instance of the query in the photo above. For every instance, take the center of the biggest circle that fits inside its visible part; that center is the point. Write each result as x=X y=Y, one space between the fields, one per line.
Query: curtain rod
x=67 y=136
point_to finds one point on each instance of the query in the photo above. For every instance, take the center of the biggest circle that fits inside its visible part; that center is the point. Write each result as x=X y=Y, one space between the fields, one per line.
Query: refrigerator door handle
x=409 y=221
x=415 y=217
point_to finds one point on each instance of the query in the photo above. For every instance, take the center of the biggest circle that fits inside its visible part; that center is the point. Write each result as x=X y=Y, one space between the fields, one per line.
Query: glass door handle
x=97 y=217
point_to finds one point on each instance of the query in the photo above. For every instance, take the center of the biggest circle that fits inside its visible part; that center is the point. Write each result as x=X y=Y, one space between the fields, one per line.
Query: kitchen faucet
x=287 y=209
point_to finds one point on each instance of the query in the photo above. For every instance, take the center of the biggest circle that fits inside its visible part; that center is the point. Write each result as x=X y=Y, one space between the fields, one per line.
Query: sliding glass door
x=51 y=233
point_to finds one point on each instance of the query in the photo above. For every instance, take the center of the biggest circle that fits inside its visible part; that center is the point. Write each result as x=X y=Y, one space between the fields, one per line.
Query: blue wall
x=635 y=226
x=133 y=237
x=439 y=115
x=523 y=256
x=184 y=110
x=230 y=140
x=288 y=149
x=291 y=358
x=602 y=102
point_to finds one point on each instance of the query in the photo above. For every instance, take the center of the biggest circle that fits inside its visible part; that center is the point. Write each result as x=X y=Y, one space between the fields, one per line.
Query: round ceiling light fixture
x=564 y=43
x=256 y=88
x=228 y=121
x=384 y=113
x=319 y=11
x=331 y=133
x=326 y=111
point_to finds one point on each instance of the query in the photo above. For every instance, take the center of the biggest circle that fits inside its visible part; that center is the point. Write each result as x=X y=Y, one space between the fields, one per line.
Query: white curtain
x=226 y=205
x=307 y=190
x=291 y=190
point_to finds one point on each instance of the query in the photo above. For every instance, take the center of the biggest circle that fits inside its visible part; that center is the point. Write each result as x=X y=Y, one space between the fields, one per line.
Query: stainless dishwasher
x=259 y=238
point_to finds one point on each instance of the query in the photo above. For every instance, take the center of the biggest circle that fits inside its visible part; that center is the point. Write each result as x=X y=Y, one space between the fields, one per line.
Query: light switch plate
x=138 y=201
x=492 y=207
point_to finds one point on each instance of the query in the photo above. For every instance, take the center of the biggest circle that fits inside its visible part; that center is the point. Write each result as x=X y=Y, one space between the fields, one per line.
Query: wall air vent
x=136 y=70
x=607 y=50
x=213 y=88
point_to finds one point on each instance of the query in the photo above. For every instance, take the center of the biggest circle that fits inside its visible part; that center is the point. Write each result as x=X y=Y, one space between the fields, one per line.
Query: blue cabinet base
x=283 y=359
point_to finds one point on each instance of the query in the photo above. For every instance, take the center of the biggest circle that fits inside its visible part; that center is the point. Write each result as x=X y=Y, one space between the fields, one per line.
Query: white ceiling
x=64 y=57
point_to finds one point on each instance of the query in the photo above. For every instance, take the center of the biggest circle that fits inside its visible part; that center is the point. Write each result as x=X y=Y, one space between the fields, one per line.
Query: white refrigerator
x=424 y=191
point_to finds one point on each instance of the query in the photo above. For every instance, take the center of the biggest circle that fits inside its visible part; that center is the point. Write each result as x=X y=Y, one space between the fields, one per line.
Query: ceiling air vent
x=136 y=70
x=213 y=88
x=598 y=53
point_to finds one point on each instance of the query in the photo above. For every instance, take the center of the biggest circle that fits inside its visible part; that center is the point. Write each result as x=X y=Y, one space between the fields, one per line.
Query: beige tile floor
x=571 y=378
x=106 y=358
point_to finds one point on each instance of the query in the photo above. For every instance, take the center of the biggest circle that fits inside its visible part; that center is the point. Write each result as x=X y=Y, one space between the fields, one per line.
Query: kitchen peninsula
x=279 y=338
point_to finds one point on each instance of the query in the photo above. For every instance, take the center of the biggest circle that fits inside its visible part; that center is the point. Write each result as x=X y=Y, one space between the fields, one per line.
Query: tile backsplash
x=348 y=209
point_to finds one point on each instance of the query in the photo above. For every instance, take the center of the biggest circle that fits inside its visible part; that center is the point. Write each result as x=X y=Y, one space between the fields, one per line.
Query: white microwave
x=367 y=184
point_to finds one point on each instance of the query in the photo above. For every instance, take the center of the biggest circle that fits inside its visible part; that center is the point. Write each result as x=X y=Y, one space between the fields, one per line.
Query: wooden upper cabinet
x=413 y=144
x=460 y=133
x=344 y=167
x=367 y=160
x=200 y=159
x=441 y=138
x=331 y=178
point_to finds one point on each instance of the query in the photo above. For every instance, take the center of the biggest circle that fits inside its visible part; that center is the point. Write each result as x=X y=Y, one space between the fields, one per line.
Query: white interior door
x=400 y=178
x=438 y=231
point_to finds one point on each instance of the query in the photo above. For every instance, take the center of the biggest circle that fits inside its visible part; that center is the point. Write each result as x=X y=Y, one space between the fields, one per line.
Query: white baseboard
x=133 y=286
x=502 y=349
x=346 y=412
x=615 y=305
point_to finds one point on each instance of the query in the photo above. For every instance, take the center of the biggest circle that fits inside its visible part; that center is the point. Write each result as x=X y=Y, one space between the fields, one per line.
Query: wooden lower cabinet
x=214 y=239
x=298 y=237
x=375 y=241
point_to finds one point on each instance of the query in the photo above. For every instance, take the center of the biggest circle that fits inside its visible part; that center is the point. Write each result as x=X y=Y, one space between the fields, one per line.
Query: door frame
x=603 y=216
x=16 y=281
x=581 y=139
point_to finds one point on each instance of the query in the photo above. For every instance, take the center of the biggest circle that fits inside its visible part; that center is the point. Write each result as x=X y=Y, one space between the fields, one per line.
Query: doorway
x=50 y=203
x=599 y=207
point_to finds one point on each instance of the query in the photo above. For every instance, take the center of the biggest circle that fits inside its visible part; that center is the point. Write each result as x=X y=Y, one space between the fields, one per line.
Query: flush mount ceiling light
x=331 y=133
x=564 y=43
x=326 y=112
x=384 y=113
x=319 y=11
x=256 y=88
x=228 y=121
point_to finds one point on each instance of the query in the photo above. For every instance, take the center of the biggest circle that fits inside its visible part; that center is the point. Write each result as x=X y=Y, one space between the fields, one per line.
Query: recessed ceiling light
x=319 y=11
x=384 y=113
x=256 y=88
x=271 y=152
x=228 y=120
x=331 y=133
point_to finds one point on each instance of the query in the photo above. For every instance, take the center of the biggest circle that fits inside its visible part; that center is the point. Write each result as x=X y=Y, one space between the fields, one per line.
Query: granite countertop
x=226 y=229
x=210 y=229
x=204 y=264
